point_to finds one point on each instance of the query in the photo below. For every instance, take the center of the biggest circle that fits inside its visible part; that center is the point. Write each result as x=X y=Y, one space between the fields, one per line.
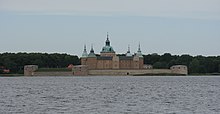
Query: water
x=117 y=95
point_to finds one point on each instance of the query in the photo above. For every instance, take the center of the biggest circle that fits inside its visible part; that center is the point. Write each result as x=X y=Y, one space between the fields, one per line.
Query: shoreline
x=147 y=75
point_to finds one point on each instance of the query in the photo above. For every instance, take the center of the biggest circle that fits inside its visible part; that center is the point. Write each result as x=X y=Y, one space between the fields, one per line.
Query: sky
x=64 y=26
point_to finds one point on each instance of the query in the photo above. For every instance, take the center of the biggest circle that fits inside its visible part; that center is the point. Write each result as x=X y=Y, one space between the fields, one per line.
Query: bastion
x=108 y=63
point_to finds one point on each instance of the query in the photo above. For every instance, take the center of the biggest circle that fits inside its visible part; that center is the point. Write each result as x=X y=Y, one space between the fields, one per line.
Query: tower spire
x=84 y=47
x=92 y=50
x=107 y=42
x=139 y=47
x=139 y=50
x=129 y=48
x=84 y=54
x=92 y=53
x=128 y=52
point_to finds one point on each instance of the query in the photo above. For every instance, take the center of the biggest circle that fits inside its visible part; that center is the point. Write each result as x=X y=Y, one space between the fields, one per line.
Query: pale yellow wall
x=115 y=63
x=136 y=62
x=83 y=61
x=179 y=69
x=92 y=63
x=100 y=64
x=107 y=54
x=108 y=64
x=141 y=63
x=129 y=72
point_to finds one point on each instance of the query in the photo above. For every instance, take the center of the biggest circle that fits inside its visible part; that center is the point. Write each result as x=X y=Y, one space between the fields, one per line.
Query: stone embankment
x=69 y=73
x=31 y=70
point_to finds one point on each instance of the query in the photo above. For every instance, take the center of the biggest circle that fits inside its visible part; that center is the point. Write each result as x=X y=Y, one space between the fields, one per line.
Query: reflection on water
x=79 y=95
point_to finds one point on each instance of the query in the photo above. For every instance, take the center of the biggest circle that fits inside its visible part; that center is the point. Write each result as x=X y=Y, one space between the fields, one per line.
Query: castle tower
x=92 y=52
x=141 y=58
x=84 y=56
x=107 y=50
x=139 y=54
x=128 y=54
x=91 y=59
x=107 y=42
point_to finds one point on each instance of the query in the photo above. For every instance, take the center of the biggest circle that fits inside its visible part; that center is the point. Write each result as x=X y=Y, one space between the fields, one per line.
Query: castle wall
x=115 y=62
x=80 y=70
x=136 y=62
x=30 y=69
x=107 y=54
x=104 y=64
x=58 y=73
x=100 y=64
x=126 y=64
x=91 y=62
x=83 y=61
x=181 y=69
x=129 y=72
x=141 y=63
x=107 y=64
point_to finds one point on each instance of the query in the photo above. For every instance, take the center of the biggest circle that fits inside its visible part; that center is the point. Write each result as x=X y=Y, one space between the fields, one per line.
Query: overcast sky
x=64 y=26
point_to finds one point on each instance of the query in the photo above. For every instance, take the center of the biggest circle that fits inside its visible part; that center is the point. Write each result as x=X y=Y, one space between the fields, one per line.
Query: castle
x=108 y=63
x=109 y=60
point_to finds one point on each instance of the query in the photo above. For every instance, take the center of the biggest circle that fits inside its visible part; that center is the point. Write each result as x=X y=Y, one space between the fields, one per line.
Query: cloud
x=165 y=8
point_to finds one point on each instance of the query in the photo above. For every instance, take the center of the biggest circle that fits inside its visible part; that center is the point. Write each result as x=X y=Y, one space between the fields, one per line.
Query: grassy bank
x=11 y=75
x=205 y=74
x=161 y=74
x=53 y=70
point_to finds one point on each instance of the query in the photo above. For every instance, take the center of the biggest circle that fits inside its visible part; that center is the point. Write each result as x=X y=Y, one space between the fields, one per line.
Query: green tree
x=10 y=64
x=160 y=65
x=194 y=66
x=166 y=57
x=219 y=68
x=184 y=60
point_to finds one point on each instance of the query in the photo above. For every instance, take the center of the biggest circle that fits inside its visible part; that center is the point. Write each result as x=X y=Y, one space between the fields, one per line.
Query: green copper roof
x=107 y=48
x=84 y=54
x=92 y=53
x=128 y=54
x=139 y=54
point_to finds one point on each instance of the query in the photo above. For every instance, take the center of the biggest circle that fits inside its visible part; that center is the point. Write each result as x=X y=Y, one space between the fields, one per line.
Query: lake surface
x=116 y=95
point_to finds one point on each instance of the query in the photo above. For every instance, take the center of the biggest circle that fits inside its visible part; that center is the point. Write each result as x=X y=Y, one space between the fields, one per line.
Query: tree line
x=196 y=64
x=16 y=61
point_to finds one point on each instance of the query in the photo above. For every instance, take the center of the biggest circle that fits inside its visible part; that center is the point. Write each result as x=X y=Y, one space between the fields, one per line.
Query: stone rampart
x=57 y=73
x=129 y=72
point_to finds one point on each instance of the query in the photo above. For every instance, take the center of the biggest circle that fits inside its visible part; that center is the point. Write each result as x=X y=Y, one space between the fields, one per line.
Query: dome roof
x=107 y=49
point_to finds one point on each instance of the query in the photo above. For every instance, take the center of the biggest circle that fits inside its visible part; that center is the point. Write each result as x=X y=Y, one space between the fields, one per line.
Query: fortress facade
x=109 y=60
x=109 y=63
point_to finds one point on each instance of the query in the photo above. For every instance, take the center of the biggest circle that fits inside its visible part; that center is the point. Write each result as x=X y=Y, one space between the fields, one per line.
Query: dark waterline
x=109 y=94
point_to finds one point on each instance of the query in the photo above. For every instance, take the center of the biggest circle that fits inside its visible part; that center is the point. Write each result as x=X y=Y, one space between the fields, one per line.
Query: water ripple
x=118 y=95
